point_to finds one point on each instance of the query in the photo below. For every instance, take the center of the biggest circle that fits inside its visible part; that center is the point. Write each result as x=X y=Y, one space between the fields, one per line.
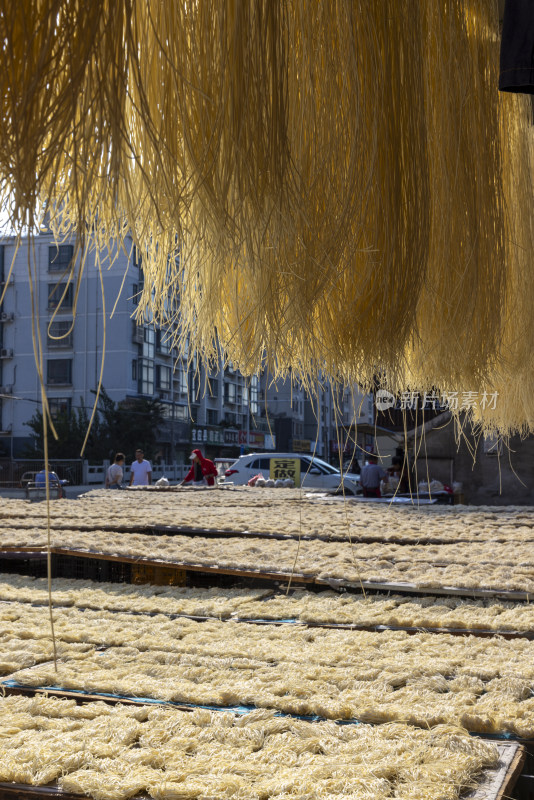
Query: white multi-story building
x=84 y=329
x=80 y=328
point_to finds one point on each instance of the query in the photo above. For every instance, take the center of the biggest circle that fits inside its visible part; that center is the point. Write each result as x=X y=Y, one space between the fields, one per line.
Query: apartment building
x=215 y=410
x=85 y=329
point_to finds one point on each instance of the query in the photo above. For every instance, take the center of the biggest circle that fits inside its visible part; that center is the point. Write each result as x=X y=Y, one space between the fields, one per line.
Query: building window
x=163 y=344
x=211 y=416
x=229 y=393
x=55 y=296
x=137 y=291
x=136 y=258
x=2 y=274
x=134 y=369
x=60 y=406
x=59 y=258
x=163 y=377
x=253 y=390
x=213 y=387
x=194 y=386
x=148 y=348
x=146 y=376
x=181 y=412
x=60 y=334
x=166 y=410
x=59 y=371
x=183 y=386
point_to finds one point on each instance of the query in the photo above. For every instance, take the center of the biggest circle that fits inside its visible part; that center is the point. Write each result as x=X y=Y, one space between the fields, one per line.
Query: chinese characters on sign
x=255 y=438
x=437 y=401
x=285 y=468
x=207 y=435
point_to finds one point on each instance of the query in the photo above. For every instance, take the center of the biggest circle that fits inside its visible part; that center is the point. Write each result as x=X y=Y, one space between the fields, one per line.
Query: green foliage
x=70 y=428
x=122 y=426
x=129 y=424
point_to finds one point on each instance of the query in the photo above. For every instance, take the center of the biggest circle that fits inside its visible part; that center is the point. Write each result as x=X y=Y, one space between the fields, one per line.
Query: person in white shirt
x=141 y=470
x=115 y=473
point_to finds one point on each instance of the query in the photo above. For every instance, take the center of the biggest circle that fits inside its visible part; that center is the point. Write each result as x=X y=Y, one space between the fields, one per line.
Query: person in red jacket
x=202 y=470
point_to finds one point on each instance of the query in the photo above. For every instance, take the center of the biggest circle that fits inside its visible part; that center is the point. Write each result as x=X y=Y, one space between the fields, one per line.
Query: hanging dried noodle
x=331 y=188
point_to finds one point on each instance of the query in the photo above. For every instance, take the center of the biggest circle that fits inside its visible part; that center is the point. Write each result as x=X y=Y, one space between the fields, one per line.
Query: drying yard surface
x=261 y=705
x=349 y=562
x=452 y=547
x=326 y=607
x=118 y=752
x=425 y=679
x=276 y=511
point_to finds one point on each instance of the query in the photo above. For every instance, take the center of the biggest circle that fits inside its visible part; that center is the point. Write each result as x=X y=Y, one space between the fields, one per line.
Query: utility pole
x=172 y=421
x=247 y=389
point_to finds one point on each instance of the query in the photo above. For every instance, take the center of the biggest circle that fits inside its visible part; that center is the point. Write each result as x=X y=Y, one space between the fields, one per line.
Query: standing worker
x=399 y=471
x=202 y=470
x=370 y=478
x=115 y=473
x=141 y=470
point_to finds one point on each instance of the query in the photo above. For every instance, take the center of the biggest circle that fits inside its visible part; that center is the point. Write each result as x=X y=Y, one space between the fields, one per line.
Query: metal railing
x=11 y=472
x=17 y=473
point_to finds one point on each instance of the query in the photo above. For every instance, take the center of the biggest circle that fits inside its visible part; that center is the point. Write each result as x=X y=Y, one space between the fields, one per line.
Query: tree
x=122 y=426
x=71 y=428
x=129 y=424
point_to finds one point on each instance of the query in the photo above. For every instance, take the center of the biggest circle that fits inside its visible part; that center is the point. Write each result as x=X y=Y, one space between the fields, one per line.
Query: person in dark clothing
x=517 y=47
x=399 y=470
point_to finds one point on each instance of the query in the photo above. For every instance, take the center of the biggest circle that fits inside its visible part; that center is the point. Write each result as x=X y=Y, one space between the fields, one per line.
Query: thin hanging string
x=47 y=423
x=48 y=536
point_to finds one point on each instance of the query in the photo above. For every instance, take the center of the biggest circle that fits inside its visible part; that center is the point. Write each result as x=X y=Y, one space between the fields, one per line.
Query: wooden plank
x=176 y=530
x=213 y=569
x=88 y=697
x=347 y=626
x=151 y=529
x=23 y=791
x=412 y=588
x=509 y=766
x=80 y=697
x=514 y=771
x=498 y=783
x=333 y=583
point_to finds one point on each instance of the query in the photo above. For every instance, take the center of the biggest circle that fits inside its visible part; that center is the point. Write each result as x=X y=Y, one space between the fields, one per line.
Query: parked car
x=314 y=472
